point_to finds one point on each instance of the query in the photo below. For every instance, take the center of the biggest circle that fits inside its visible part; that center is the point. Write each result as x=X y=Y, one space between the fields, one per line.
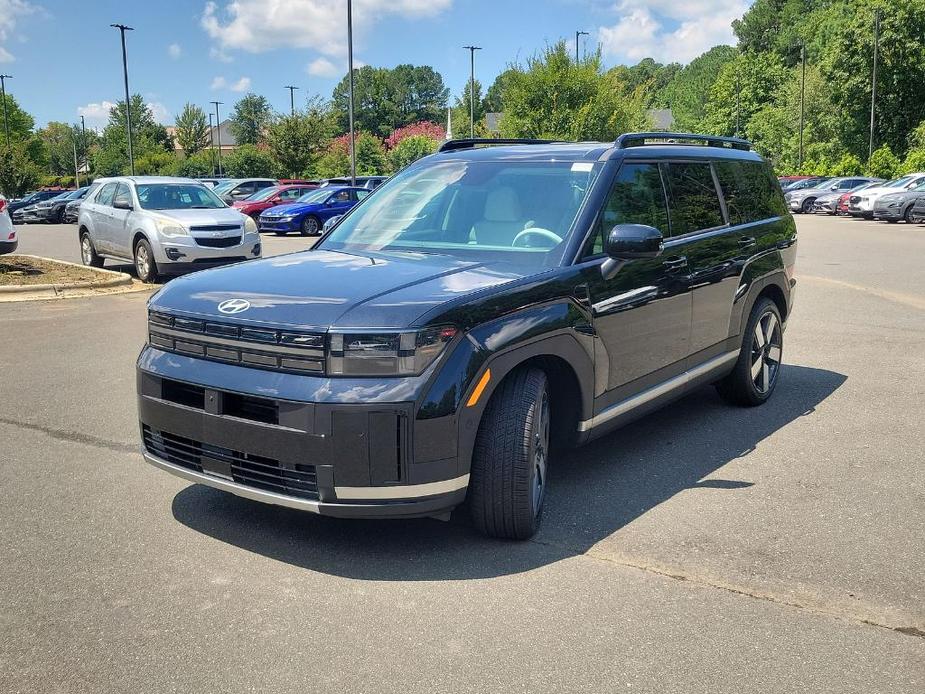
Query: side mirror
x=629 y=241
x=121 y=204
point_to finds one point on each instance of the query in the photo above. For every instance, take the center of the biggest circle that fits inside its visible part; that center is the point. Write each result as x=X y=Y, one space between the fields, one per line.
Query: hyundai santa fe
x=487 y=306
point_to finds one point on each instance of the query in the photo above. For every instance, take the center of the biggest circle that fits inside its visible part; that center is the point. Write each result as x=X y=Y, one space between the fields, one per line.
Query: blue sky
x=66 y=60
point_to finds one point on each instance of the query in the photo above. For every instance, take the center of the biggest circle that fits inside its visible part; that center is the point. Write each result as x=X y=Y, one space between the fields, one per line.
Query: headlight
x=169 y=228
x=385 y=353
x=250 y=226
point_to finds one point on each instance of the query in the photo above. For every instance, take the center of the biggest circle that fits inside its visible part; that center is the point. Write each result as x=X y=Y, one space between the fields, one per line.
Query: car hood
x=316 y=290
x=292 y=208
x=221 y=215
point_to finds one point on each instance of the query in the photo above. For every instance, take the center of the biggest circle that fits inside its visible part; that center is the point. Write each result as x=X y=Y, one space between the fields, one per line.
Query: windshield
x=224 y=187
x=807 y=183
x=516 y=211
x=896 y=182
x=262 y=195
x=177 y=196
x=315 y=196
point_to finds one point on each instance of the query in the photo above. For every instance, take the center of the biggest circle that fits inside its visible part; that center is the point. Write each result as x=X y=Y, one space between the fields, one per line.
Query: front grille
x=218 y=243
x=247 y=469
x=216 y=227
x=262 y=348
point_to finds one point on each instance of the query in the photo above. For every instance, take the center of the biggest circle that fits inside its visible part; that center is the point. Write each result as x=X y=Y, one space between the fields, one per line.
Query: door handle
x=747 y=241
x=672 y=264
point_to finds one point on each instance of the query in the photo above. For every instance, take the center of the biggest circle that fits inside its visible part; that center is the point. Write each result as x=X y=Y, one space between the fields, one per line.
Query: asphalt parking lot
x=702 y=549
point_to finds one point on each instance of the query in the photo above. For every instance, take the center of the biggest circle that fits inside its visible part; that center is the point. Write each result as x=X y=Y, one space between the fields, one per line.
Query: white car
x=8 y=240
x=163 y=226
x=862 y=204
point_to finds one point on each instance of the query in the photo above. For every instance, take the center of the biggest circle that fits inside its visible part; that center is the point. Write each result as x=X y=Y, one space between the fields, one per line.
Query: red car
x=271 y=197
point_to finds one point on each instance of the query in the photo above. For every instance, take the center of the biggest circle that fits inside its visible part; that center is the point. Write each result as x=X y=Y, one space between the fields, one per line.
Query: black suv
x=485 y=306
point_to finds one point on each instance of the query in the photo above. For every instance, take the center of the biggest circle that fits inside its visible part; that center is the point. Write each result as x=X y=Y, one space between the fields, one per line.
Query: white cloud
x=242 y=85
x=218 y=83
x=10 y=12
x=219 y=55
x=668 y=30
x=159 y=111
x=96 y=113
x=174 y=50
x=261 y=25
x=322 y=67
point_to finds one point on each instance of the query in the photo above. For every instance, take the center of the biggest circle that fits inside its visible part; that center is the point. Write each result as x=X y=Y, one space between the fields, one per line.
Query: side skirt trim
x=679 y=381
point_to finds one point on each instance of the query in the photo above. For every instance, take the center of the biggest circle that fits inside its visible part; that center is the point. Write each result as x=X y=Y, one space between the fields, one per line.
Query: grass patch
x=19 y=270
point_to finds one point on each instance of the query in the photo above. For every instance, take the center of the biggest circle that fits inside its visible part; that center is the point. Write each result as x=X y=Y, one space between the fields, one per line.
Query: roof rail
x=471 y=143
x=638 y=139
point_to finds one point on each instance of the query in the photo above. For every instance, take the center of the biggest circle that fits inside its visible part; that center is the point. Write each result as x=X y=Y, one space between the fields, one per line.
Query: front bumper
x=333 y=458
x=276 y=224
x=888 y=212
x=184 y=253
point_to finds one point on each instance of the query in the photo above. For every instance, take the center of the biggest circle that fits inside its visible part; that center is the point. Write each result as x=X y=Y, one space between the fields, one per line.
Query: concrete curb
x=114 y=280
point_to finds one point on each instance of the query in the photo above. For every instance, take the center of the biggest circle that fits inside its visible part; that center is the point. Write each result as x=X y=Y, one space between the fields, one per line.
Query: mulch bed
x=18 y=270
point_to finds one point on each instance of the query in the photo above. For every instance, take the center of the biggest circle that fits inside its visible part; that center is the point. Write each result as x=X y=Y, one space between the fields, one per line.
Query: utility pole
x=738 y=90
x=802 y=100
x=128 y=103
x=472 y=50
x=211 y=144
x=873 y=91
x=83 y=143
x=353 y=153
x=577 y=34
x=76 y=167
x=291 y=99
x=6 y=118
x=218 y=133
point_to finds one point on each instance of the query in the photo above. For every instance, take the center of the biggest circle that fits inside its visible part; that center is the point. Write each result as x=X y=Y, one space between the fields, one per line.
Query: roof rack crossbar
x=638 y=139
x=471 y=143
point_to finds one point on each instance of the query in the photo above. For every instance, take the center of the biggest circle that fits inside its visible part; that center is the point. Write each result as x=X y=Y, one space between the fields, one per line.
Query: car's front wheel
x=909 y=216
x=510 y=461
x=807 y=205
x=88 y=252
x=311 y=226
x=145 y=265
x=755 y=374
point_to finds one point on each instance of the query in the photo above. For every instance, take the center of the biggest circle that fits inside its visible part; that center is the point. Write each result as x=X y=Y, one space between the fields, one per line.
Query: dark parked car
x=52 y=211
x=72 y=208
x=232 y=189
x=918 y=211
x=32 y=199
x=899 y=205
x=308 y=214
x=485 y=306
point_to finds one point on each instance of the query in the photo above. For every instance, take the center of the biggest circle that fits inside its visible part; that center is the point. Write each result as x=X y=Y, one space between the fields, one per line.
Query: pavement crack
x=73 y=436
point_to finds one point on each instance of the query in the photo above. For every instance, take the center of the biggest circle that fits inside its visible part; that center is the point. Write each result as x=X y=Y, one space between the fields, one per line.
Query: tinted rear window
x=750 y=191
x=693 y=204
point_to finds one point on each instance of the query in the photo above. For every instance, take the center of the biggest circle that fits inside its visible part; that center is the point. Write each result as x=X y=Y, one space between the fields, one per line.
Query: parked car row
x=902 y=199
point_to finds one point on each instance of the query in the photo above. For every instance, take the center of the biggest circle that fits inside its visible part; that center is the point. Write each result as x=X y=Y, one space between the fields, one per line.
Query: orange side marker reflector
x=479 y=387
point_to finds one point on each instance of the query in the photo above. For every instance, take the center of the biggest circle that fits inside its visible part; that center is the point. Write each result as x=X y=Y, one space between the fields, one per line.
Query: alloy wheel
x=86 y=250
x=540 y=453
x=766 y=352
x=142 y=261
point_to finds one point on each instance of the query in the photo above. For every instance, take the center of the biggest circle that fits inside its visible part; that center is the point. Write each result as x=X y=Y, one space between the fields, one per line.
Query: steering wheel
x=538 y=232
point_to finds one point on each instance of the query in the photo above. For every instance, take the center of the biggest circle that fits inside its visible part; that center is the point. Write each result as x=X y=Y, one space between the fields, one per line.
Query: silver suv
x=163 y=226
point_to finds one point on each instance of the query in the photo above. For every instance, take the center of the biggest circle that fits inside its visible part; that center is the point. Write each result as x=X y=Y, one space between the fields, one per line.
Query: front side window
x=266 y=194
x=315 y=196
x=637 y=197
x=289 y=194
x=360 y=194
x=519 y=211
x=177 y=196
x=692 y=201
x=105 y=195
x=342 y=196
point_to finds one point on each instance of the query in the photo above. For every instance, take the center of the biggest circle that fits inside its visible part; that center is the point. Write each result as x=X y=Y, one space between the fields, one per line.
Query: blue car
x=309 y=213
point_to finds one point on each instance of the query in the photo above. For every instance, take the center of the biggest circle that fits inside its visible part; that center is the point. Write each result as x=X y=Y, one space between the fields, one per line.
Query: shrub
x=883 y=163
x=423 y=128
x=247 y=161
x=371 y=158
x=411 y=149
x=914 y=162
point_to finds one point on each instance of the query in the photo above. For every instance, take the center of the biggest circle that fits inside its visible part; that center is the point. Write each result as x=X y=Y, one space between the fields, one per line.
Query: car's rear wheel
x=145 y=265
x=755 y=374
x=311 y=226
x=88 y=252
x=510 y=461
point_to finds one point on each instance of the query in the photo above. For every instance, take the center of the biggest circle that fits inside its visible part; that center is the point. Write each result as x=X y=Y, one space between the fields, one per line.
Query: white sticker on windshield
x=582 y=166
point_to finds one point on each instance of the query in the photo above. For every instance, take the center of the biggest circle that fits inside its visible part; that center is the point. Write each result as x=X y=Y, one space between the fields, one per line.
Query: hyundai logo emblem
x=234 y=305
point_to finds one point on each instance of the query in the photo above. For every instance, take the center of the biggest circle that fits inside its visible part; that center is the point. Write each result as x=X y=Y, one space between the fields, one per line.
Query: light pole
x=353 y=153
x=802 y=100
x=6 y=118
x=211 y=144
x=218 y=133
x=577 y=34
x=472 y=50
x=128 y=118
x=873 y=91
x=76 y=167
x=291 y=99
x=83 y=143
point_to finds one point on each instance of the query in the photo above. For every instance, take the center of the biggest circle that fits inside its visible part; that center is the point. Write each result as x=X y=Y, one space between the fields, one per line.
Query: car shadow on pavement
x=593 y=492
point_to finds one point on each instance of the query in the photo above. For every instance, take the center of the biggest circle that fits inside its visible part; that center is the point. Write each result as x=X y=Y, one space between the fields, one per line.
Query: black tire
x=756 y=372
x=88 y=252
x=281 y=233
x=509 y=463
x=311 y=226
x=807 y=205
x=145 y=265
x=908 y=216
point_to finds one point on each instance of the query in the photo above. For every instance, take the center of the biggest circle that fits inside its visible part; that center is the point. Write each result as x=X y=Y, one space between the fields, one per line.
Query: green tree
x=370 y=156
x=650 y=77
x=155 y=162
x=553 y=97
x=494 y=98
x=385 y=99
x=883 y=163
x=296 y=142
x=18 y=172
x=192 y=129
x=111 y=158
x=250 y=118
x=687 y=92
x=410 y=150
x=914 y=162
x=461 y=112
x=21 y=123
x=196 y=165
x=745 y=85
x=59 y=140
x=248 y=161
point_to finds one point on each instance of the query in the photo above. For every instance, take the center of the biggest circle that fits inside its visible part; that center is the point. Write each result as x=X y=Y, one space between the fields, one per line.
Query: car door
x=642 y=313
x=99 y=211
x=120 y=221
x=337 y=204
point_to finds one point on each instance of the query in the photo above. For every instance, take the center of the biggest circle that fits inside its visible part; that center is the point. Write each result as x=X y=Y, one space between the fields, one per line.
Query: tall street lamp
x=873 y=90
x=6 y=118
x=128 y=118
x=577 y=34
x=802 y=100
x=83 y=143
x=211 y=144
x=218 y=133
x=291 y=99
x=472 y=50
x=353 y=153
